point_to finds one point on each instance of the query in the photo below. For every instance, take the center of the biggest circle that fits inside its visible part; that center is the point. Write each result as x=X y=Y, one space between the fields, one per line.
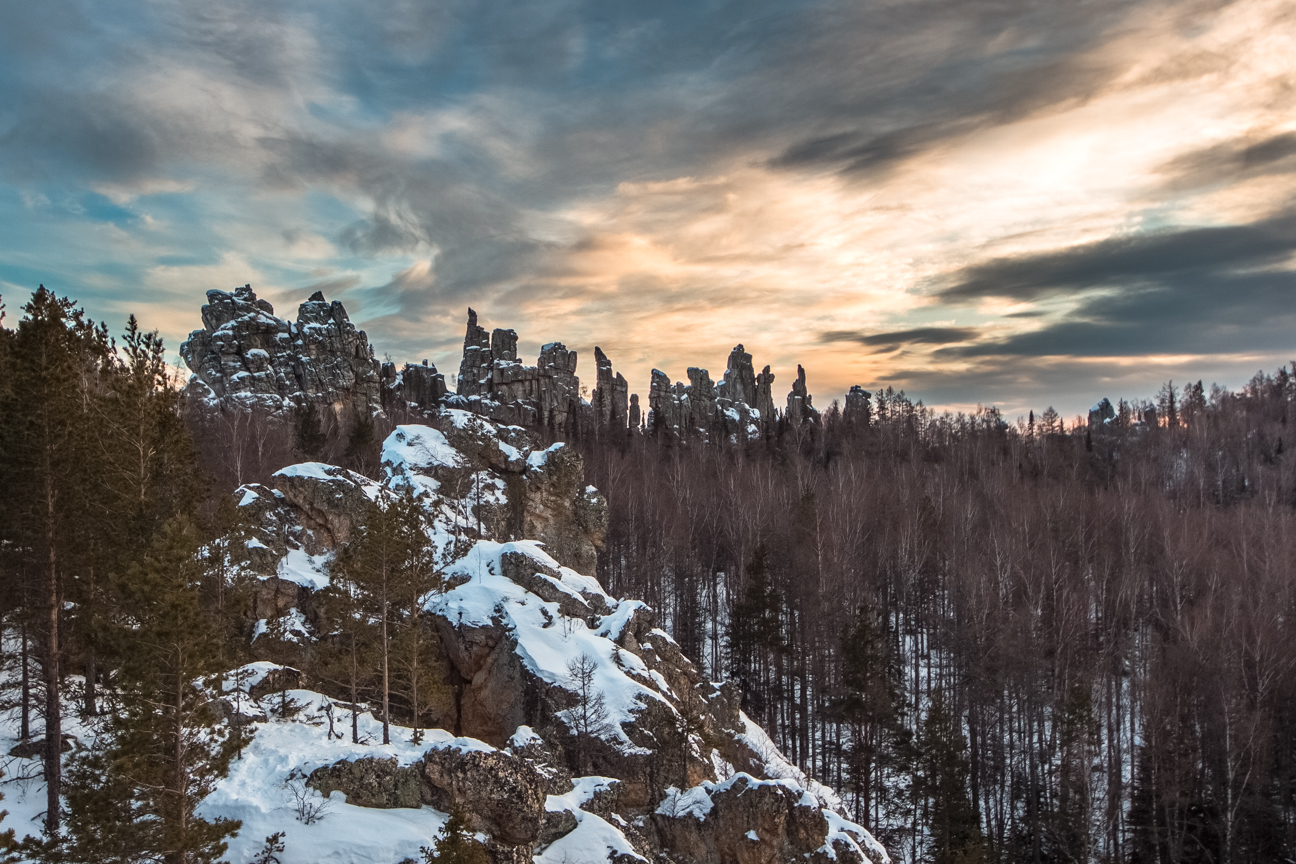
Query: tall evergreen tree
x=955 y=830
x=870 y=704
x=755 y=634
x=388 y=561
x=136 y=799
x=56 y=355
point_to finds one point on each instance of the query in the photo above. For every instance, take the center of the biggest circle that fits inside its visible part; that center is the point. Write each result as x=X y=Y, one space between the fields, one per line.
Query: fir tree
x=388 y=561
x=455 y=844
x=955 y=831
x=136 y=799
x=54 y=359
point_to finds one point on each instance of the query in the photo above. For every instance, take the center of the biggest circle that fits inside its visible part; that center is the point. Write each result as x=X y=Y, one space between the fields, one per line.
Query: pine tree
x=346 y=655
x=54 y=358
x=870 y=704
x=136 y=799
x=389 y=561
x=456 y=844
x=145 y=472
x=955 y=831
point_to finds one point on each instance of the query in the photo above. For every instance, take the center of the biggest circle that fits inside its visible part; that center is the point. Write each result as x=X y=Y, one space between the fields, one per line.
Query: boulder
x=502 y=793
x=372 y=782
x=330 y=501
x=246 y=357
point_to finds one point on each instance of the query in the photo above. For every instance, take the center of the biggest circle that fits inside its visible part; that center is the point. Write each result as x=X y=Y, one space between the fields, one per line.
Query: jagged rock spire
x=245 y=356
x=799 y=409
x=610 y=394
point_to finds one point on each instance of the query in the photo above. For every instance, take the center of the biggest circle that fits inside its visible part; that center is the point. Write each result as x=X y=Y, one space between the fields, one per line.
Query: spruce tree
x=136 y=798
x=955 y=831
x=55 y=357
x=456 y=844
x=755 y=635
x=870 y=703
x=389 y=561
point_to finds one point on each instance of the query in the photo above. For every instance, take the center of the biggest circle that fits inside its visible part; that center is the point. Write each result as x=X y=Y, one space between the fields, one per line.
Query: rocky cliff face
x=247 y=358
x=672 y=771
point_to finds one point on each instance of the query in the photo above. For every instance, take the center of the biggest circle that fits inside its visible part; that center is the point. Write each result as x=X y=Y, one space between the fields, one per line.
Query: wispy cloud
x=918 y=193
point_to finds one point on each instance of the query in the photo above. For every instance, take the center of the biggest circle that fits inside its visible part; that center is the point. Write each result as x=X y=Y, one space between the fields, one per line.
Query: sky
x=988 y=202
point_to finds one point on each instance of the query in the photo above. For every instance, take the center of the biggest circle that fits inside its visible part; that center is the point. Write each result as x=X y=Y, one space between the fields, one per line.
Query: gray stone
x=859 y=407
x=372 y=782
x=245 y=357
x=739 y=383
x=799 y=409
x=502 y=793
x=474 y=368
x=765 y=395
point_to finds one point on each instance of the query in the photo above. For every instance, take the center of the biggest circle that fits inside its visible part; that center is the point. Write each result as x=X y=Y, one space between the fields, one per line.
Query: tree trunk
x=386 y=682
x=24 y=730
x=53 y=708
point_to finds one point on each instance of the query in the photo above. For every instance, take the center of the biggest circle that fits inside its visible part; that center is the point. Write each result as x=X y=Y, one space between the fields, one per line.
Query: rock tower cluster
x=245 y=357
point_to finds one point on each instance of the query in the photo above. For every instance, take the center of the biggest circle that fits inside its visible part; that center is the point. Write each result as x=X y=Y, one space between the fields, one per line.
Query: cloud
x=1129 y=262
x=916 y=336
x=1248 y=156
x=668 y=179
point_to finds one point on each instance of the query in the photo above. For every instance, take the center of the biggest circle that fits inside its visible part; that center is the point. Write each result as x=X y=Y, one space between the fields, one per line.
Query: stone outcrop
x=420 y=389
x=512 y=620
x=373 y=782
x=749 y=821
x=610 y=399
x=1101 y=415
x=859 y=406
x=765 y=394
x=799 y=409
x=739 y=383
x=503 y=793
x=495 y=384
x=708 y=410
x=246 y=357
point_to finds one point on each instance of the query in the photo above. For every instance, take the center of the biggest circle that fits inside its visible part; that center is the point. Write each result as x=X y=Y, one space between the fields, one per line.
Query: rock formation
x=610 y=396
x=674 y=772
x=246 y=358
x=799 y=409
x=859 y=406
x=1101 y=415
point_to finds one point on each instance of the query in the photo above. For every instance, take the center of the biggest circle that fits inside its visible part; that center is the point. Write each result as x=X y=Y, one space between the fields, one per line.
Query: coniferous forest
x=1000 y=640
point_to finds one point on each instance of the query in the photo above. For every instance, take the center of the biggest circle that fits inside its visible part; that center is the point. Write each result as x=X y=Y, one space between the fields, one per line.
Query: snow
x=537 y=460
x=546 y=643
x=776 y=766
x=751 y=835
x=255 y=789
x=325 y=472
x=487 y=597
x=693 y=802
x=595 y=839
x=302 y=568
x=418 y=449
x=291 y=627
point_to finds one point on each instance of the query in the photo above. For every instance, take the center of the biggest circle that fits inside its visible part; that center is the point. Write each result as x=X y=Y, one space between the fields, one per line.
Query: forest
x=1022 y=641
